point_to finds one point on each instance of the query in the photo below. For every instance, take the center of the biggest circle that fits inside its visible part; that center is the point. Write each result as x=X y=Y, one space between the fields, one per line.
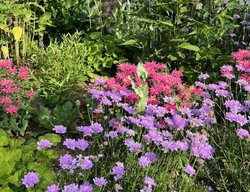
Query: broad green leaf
x=6 y=189
x=189 y=46
x=17 y=32
x=45 y=18
x=52 y=137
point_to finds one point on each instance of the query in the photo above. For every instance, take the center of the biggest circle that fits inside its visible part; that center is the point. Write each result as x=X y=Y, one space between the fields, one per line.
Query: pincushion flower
x=189 y=170
x=44 y=143
x=70 y=143
x=30 y=180
x=60 y=129
x=100 y=181
x=71 y=188
x=118 y=171
x=86 y=187
x=53 y=188
x=243 y=133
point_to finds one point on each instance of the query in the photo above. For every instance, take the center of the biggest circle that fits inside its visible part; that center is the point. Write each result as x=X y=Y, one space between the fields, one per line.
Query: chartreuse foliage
x=18 y=156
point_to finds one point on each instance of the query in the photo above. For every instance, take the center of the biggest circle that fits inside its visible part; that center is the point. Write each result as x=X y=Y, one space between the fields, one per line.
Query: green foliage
x=20 y=23
x=65 y=114
x=61 y=67
x=190 y=35
x=17 y=157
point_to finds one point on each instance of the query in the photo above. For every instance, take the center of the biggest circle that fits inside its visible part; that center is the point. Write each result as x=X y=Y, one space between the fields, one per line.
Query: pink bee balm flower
x=5 y=100
x=12 y=70
x=23 y=75
x=30 y=94
x=5 y=64
x=11 y=109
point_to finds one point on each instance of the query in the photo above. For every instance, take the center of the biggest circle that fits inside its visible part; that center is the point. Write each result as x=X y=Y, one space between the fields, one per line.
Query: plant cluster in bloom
x=234 y=92
x=14 y=87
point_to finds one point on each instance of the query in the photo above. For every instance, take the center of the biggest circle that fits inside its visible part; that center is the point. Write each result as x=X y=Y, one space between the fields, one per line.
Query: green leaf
x=130 y=42
x=189 y=46
x=52 y=137
x=6 y=189
x=167 y=22
x=4 y=139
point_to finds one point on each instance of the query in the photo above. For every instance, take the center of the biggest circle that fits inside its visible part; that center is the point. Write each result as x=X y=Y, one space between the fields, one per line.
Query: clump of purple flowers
x=118 y=171
x=60 y=129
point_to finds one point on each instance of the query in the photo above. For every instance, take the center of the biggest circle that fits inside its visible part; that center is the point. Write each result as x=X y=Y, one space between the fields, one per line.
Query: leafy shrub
x=194 y=36
x=16 y=95
x=60 y=68
x=18 y=156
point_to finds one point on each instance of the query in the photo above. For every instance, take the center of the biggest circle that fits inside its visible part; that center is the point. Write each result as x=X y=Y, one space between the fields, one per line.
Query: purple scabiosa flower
x=133 y=146
x=96 y=94
x=84 y=163
x=30 y=179
x=53 y=188
x=226 y=68
x=177 y=122
x=66 y=161
x=86 y=187
x=105 y=101
x=155 y=136
x=242 y=133
x=134 y=120
x=149 y=181
x=82 y=144
x=222 y=93
x=201 y=148
x=44 y=143
x=241 y=119
x=213 y=87
x=144 y=161
x=131 y=132
x=99 y=81
x=200 y=84
x=87 y=130
x=223 y=85
x=70 y=143
x=71 y=188
x=235 y=106
x=96 y=128
x=247 y=88
x=100 y=181
x=112 y=134
x=151 y=156
x=98 y=110
x=118 y=187
x=60 y=129
x=203 y=76
x=167 y=134
x=183 y=146
x=242 y=82
x=189 y=170
x=147 y=122
x=196 y=122
x=118 y=171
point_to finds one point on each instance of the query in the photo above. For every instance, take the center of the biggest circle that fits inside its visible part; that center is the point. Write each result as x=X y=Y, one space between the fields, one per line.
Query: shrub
x=61 y=67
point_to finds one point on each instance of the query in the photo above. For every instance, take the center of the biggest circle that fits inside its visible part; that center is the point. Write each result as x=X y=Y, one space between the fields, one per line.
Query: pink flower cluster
x=12 y=86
